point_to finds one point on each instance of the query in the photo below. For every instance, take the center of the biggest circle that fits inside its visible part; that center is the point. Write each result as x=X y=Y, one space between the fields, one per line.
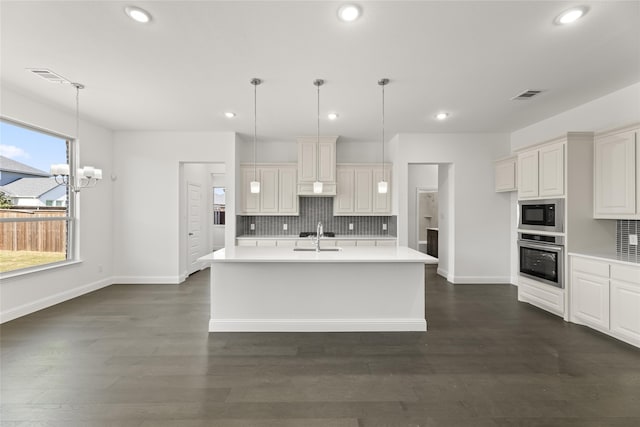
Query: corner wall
x=146 y=212
x=34 y=291
x=481 y=217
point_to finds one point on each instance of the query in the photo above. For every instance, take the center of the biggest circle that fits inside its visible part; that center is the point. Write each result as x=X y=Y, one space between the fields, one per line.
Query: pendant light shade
x=317 y=185
x=383 y=186
x=255 y=184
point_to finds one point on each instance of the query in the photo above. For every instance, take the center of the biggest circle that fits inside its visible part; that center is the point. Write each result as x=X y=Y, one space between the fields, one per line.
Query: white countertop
x=389 y=254
x=604 y=256
x=338 y=237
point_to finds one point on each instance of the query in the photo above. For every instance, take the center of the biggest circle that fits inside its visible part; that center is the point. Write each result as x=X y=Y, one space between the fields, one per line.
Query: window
x=219 y=203
x=36 y=213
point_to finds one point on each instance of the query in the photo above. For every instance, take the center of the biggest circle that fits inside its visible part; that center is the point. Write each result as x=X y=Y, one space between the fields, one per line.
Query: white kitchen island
x=274 y=289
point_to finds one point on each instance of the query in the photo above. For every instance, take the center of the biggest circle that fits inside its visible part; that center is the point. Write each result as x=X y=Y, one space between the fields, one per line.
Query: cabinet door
x=590 y=299
x=625 y=302
x=551 y=170
x=363 y=179
x=327 y=171
x=505 y=175
x=381 y=202
x=269 y=190
x=343 y=202
x=249 y=202
x=288 y=191
x=307 y=162
x=528 y=174
x=625 y=310
x=615 y=175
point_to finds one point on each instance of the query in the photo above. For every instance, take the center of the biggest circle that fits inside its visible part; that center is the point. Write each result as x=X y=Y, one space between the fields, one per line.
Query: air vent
x=48 y=75
x=528 y=94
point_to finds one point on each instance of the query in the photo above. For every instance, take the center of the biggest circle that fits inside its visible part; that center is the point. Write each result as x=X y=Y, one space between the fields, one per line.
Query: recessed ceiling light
x=229 y=115
x=332 y=116
x=137 y=14
x=349 y=12
x=442 y=116
x=571 y=15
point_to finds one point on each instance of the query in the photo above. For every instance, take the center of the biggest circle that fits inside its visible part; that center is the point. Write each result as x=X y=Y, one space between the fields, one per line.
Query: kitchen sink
x=334 y=249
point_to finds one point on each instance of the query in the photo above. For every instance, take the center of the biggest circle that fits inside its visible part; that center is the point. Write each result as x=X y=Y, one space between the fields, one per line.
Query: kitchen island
x=275 y=289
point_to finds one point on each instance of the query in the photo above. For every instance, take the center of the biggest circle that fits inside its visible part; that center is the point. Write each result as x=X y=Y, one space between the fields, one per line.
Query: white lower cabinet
x=543 y=296
x=606 y=296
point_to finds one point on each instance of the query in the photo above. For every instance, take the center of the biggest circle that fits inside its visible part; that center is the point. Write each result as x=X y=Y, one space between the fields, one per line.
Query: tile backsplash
x=625 y=251
x=312 y=210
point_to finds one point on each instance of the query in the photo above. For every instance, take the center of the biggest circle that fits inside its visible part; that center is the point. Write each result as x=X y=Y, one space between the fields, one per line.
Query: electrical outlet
x=252 y=227
x=633 y=239
x=384 y=227
x=351 y=227
x=284 y=227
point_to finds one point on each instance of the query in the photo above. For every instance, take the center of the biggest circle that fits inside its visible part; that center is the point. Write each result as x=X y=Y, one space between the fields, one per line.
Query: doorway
x=427 y=221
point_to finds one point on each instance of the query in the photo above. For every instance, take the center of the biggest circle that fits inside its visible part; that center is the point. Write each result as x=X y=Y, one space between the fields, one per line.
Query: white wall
x=287 y=151
x=420 y=176
x=147 y=198
x=480 y=218
x=608 y=112
x=31 y=292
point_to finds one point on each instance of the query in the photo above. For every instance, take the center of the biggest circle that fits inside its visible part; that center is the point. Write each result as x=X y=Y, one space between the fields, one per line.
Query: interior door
x=195 y=242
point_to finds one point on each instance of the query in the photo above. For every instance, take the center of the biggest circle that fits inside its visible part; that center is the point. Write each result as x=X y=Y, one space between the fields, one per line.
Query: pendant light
x=317 y=185
x=383 y=185
x=255 y=184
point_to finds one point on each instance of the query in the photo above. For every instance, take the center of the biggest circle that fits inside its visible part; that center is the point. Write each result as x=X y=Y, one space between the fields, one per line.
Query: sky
x=30 y=147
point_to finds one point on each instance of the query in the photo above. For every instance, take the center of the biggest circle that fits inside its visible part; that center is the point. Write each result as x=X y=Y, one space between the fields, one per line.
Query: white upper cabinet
x=616 y=164
x=312 y=168
x=541 y=172
x=357 y=190
x=287 y=194
x=506 y=174
x=381 y=202
x=551 y=170
x=278 y=190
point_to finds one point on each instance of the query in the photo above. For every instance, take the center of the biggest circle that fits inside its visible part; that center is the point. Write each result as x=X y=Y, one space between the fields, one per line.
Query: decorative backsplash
x=627 y=252
x=312 y=210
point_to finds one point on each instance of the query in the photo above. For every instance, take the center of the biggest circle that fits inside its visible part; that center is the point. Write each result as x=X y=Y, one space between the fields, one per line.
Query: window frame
x=72 y=213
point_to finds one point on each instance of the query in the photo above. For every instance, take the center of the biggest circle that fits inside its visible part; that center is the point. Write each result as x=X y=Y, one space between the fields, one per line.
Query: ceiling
x=195 y=60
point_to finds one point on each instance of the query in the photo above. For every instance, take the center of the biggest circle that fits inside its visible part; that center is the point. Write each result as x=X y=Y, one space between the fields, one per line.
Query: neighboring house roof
x=29 y=187
x=10 y=165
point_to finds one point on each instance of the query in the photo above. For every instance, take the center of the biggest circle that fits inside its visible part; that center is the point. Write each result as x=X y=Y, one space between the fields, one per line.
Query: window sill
x=37 y=269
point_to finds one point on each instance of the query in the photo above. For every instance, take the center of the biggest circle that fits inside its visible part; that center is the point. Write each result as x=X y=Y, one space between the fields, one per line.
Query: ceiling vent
x=48 y=75
x=528 y=94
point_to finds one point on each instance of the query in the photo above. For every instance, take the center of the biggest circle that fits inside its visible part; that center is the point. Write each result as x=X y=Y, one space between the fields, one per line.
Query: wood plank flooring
x=141 y=356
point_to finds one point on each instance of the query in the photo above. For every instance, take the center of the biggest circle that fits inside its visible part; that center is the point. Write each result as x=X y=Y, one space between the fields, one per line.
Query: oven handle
x=541 y=247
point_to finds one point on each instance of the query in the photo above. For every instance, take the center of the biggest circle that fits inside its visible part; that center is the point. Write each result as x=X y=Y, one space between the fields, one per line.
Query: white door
x=195 y=244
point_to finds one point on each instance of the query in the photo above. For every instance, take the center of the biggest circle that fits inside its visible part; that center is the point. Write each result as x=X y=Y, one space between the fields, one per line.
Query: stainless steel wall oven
x=542 y=258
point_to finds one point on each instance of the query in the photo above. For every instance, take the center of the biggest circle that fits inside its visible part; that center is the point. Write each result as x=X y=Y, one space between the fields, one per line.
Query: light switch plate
x=633 y=239
x=384 y=227
x=284 y=227
x=252 y=227
x=350 y=226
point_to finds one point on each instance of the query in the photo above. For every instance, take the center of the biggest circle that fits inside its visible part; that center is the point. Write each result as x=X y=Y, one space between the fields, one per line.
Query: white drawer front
x=626 y=273
x=589 y=266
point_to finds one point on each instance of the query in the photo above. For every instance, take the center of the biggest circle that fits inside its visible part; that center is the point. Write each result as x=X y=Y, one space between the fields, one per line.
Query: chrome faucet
x=319 y=234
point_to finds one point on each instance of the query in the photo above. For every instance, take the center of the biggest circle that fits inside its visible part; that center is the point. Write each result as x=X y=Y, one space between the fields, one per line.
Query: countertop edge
x=608 y=257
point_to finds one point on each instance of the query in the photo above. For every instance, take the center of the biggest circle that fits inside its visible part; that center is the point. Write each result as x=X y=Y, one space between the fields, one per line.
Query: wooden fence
x=40 y=236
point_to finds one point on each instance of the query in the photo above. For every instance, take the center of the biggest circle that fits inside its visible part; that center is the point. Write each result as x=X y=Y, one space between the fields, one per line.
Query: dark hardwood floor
x=141 y=356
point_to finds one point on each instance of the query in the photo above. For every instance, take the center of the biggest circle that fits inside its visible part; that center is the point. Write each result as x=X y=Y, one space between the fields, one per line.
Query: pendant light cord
x=383 y=132
x=318 y=137
x=255 y=128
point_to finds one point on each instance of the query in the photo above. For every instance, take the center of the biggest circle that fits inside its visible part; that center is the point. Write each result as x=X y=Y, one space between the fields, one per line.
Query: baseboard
x=52 y=300
x=317 y=325
x=444 y=273
x=148 y=280
x=467 y=280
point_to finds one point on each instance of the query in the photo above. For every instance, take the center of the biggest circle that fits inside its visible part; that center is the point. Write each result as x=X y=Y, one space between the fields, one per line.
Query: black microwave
x=541 y=215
